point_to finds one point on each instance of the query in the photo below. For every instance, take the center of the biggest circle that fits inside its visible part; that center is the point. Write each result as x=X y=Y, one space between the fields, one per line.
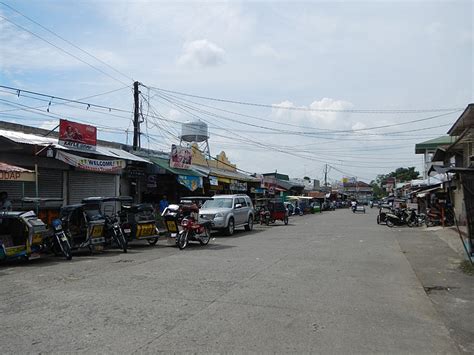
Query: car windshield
x=218 y=203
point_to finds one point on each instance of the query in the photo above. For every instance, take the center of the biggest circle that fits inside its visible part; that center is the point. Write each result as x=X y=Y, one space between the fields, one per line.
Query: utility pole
x=326 y=176
x=136 y=116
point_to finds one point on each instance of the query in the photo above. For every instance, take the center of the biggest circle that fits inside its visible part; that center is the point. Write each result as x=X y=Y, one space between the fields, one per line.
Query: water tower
x=196 y=132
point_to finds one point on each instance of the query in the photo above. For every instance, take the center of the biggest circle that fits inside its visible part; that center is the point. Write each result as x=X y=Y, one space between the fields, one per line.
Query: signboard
x=238 y=186
x=17 y=176
x=192 y=183
x=77 y=135
x=213 y=181
x=181 y=157
x=100 y=166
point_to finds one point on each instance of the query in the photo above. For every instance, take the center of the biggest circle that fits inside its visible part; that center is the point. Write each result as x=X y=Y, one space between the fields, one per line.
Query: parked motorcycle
x=114 y=233
x=415 y=220
x=192 y=230
x=396 y=218
x=60 y=241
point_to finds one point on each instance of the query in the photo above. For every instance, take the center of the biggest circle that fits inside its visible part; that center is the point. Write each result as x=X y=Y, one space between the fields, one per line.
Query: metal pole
x=136 y=117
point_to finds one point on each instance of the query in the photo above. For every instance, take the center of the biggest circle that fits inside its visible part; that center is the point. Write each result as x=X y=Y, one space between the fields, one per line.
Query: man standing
x=163 y=204
x=5 y=203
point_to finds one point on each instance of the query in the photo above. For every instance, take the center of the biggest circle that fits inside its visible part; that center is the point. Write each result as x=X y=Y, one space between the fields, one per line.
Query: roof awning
x=165 y=164
x=33 y=139
x=15 y=173
x=424 y=192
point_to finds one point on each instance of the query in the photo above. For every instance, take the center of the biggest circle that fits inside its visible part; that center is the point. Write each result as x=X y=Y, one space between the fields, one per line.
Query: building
x=428 y=149
x=359 y=190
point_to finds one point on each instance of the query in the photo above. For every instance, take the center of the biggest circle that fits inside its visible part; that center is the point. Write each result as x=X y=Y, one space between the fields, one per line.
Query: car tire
x=249 y=225
x=229 y=230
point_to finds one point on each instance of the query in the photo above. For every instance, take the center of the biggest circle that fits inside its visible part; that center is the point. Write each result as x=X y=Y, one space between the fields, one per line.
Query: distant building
x=359 y=190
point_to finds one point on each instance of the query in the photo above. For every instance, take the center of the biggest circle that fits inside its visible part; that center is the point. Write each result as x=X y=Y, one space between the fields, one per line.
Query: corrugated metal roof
x=165 y=164
x=33 y=139
x=13 y=168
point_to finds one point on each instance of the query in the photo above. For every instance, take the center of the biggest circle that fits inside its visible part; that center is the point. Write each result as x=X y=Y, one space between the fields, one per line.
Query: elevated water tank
x=194 y=131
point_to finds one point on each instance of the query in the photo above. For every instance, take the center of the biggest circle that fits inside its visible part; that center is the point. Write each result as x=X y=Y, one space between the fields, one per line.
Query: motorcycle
x=60 y=241
x=192 y=230
x=113 y=232
x=397 y=217
x=415 y=220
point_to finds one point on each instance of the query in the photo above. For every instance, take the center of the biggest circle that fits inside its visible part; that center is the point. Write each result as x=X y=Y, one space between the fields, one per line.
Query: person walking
x=163 y=204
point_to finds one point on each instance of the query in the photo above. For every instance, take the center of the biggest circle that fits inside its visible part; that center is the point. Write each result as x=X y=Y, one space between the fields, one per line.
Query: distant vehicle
x=228 y=212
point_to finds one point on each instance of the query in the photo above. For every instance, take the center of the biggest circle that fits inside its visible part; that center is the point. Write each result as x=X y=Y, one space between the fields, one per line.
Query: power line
x=61 y=49
x=65 y=40
x=306 y=108
x=300 y=126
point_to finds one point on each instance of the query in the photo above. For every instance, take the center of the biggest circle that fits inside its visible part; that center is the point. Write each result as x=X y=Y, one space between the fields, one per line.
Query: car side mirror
x=238 y=205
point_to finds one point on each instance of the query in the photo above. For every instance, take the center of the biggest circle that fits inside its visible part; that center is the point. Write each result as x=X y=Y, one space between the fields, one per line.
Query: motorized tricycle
x=272 y=210
x=139 y=221
x=47 y=210
x=107 y=206
x=22 y=236
x=84 y=226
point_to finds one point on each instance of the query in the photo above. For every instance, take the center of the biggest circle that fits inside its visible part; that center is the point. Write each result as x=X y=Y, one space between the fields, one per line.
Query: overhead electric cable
x=390 y=111
x=61 y=49
x=66 y=40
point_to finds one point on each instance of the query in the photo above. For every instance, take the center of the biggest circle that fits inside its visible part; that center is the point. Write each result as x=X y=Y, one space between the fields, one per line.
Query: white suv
x=228 y=212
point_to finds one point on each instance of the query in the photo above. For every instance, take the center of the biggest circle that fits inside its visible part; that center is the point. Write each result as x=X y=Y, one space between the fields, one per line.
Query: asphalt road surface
x=330 y=283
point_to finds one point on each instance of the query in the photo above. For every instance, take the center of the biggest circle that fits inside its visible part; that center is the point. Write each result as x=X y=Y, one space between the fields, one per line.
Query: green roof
x=165 y=164
x=434 y=143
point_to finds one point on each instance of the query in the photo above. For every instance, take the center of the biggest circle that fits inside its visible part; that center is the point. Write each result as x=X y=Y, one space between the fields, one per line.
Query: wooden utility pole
x=136 y=116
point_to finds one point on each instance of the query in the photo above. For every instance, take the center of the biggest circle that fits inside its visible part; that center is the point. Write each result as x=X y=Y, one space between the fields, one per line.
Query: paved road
x=329 y=283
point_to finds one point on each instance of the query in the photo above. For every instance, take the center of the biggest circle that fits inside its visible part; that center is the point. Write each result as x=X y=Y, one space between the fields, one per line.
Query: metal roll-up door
x=85 y=184
x=50 y=184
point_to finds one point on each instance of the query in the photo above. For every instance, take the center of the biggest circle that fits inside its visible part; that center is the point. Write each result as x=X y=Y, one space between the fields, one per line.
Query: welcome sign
x=97 y=165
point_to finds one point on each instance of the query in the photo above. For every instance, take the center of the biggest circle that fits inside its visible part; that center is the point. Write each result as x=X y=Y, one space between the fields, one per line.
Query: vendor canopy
x=15 y=173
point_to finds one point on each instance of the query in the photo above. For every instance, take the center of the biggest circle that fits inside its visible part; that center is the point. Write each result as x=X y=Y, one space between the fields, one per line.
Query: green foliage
x=400 y=175
x=378 y=191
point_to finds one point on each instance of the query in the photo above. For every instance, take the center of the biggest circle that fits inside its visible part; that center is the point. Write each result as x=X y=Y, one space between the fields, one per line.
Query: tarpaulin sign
x=181 y=157
x=213 y=181
x=100 y=166
x=77 y=135
x=192 y=183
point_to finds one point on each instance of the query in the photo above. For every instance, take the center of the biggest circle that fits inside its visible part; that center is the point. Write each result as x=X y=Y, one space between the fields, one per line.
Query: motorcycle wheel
x=152 y=241
x=65 y=248
x=378 y=219
x=390 y=223
x=204 y=240
x=429 y=222
x=411 y=223
x=285 y=220
x=182 y=240
x=120 y=240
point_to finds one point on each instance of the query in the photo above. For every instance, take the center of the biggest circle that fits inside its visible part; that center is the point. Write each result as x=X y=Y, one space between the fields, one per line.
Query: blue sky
x=319 y=55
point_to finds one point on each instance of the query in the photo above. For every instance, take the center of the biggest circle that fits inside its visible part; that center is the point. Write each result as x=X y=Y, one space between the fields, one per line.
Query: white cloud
x=201 y=53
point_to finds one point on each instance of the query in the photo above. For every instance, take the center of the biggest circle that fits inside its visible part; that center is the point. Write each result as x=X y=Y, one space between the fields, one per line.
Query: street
x=334 y=282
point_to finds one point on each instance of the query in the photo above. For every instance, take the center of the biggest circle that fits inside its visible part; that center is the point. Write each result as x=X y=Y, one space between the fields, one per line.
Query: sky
x=315 y=67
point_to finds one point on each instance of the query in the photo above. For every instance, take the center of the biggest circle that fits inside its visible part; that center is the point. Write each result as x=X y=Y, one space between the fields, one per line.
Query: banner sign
x=213 y=181
x=17 y=176
x=100 y=166
x=77 y=135
x=192 y=183
x=181 y=157
x=238 y=186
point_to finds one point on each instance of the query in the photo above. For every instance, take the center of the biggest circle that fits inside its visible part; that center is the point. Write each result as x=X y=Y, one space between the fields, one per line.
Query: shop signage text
x=16 y=176
x=192 y=183
x=101 y=166
x=77 y=135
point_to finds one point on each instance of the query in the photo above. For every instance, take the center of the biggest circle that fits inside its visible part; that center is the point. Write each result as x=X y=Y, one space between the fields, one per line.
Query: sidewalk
x=435 y=255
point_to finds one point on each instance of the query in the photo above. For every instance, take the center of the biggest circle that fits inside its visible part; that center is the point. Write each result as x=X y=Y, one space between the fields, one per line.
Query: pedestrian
x=5 y=203
x=163 y=203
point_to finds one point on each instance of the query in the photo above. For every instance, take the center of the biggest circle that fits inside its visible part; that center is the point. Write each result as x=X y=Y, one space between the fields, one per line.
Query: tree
x=400 y=175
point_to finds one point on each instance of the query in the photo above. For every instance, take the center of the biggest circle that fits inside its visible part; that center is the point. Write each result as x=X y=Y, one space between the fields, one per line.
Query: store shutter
x=85 y=184
x=50 y=184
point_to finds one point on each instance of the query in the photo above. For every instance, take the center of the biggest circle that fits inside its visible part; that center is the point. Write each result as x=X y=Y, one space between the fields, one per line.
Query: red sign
x=77 y=135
